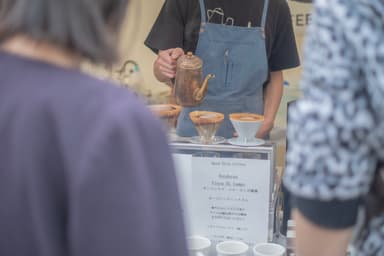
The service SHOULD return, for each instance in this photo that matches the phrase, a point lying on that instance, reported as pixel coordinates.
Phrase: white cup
(246, 125)
(268, 249)
(232, 248)
(198, 245)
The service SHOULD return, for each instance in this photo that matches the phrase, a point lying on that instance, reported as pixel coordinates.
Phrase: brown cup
(206, 123)
(168, 113)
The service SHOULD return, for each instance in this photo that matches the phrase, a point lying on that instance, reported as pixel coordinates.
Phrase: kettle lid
(189, 61)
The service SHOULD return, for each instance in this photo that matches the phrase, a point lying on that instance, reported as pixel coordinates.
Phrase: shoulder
(279, 13)
(350, 9)
(94, 102)
(116, 116)
(360, 21)
(277, 6)
(116, 103)
(278, 3)
(180, 5)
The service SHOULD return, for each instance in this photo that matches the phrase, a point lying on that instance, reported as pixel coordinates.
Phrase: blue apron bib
(237, 56)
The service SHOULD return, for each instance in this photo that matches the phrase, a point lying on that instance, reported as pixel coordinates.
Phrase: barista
(246, 44)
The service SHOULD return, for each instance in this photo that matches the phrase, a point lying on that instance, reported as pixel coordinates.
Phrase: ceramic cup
(232, 248)
(198, 245)
(246, 125)
(269, 249)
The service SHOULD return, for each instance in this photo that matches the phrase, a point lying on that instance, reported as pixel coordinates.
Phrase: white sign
(226, 198)
(183, 165)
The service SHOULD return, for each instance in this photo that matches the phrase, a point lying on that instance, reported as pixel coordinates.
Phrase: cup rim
(195, 117)
(165, 110)
(232, 117)
(244, 250)
(205, 239)
(275, 245)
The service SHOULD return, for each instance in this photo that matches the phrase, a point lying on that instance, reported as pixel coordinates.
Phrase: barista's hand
(165, 65)
(264, 129)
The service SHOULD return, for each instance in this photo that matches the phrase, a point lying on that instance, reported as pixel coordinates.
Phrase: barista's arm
(273, 94)
(164, 67)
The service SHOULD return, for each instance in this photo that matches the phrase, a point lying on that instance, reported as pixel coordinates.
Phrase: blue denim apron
(237, 56)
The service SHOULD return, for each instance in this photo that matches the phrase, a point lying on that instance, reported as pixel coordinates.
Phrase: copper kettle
(189, 88)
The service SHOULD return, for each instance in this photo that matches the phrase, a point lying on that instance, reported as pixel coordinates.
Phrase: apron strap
(265, 12)
(202, 11)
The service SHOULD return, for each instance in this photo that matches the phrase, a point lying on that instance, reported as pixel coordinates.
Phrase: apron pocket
(228, 74)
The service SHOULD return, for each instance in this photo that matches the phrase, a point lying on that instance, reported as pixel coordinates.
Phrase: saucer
(216, 140)
(255, 142)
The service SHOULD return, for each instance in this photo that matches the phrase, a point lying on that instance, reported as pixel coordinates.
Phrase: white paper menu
(225, 198)
(230, 198)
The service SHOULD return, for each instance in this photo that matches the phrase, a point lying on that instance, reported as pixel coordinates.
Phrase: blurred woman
(84, 167)
(337, 130)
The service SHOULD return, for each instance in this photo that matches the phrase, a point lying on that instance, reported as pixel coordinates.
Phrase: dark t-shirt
(84, 168)
(178, 25)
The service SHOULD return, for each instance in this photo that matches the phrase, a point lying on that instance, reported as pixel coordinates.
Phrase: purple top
(84, 168)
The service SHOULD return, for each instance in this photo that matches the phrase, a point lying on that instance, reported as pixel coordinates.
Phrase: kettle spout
(200, 92)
